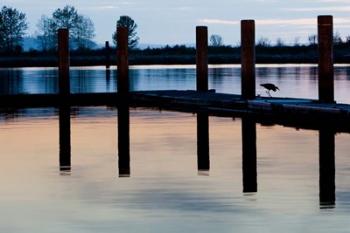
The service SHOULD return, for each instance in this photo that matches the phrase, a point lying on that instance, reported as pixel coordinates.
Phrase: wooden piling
(124, 140)
(202, 58)
(325, 64)
(249, 166)
(203, 159)
(123, 107)
(63, 61)
(327, 167)
(64, 138)
(107, 54)
(248, 59)
(122, 60)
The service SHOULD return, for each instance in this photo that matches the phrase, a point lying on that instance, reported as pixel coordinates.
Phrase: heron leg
(268, 93)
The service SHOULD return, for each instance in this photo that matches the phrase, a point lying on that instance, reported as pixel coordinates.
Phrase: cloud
(313, 9)
(219, 21)
(107, 7)
(184, 8)
(334, 1)
(294, 22)
(303, 22)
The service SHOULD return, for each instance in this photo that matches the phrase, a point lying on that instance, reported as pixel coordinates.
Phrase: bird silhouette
(269, 87)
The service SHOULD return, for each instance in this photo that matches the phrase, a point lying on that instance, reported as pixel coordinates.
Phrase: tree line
(13, 26)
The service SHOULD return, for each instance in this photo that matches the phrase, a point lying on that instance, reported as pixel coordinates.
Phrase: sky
(164, 22)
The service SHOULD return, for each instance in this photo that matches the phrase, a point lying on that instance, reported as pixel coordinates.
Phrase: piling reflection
(203, 160)
(327, 168)
(124, 140)
(218, 76)
(249, 155)
(280, 72)
(64, 139)
(11, 81)
(327, 188)
(108, 80)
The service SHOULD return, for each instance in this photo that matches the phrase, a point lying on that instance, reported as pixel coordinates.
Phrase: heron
(269, 87)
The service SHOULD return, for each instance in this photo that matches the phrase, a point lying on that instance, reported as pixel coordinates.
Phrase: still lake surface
(165, 190)
(293, 80)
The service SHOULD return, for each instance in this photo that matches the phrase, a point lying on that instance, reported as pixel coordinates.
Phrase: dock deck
(303, 113)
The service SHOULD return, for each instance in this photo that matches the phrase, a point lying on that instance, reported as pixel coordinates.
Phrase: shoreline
(82, 61)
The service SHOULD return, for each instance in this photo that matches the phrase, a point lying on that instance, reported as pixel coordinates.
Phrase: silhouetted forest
(85, 52)
(178, 54)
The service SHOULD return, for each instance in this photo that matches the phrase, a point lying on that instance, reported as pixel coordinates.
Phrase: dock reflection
(327, 188)
(249, 166)
(327, 168)
(108, 80)
(124, 140)
(64, 139)
(203, 160)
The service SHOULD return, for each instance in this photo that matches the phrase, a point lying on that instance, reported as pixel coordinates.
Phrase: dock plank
(303, 113)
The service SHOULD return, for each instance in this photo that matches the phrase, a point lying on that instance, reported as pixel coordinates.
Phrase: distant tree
(81, 28)
(216, 40)
(347, 40)
(337, 38)
(47, 34)
(279, 42)
(296, 42)
(13, 25)
(84, 32)
(263, 42)
(129, 23)
(312, 40)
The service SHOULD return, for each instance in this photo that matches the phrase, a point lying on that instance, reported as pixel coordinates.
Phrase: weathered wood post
(325, 63)
(64, 138)
(63, 61)
(124, 140)
(203, 160)
(107, 54)
(249, 155)
(327, 167)
(122, 60)
(202, 58)
(248, 59)
(123, 107)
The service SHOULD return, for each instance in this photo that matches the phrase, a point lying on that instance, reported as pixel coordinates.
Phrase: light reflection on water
(293, 80)
(164, 192)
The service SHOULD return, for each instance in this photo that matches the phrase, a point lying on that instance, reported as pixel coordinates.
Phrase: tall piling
(249, 163)
(122, 60)
(325, 63)
(63, 61)
(248, 59)
(124, 140)
(123, 107)
(202, 58)
(107, 55)
(64, 138)
(203, 159)
(327, 167)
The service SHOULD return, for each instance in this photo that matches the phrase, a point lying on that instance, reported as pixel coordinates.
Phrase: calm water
(168, 180)
(293, 80)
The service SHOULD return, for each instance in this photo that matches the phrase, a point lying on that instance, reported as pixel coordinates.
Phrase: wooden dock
(291, 112)
(298, 113)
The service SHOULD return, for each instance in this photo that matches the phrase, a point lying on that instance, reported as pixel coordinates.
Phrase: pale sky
(173, 22)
